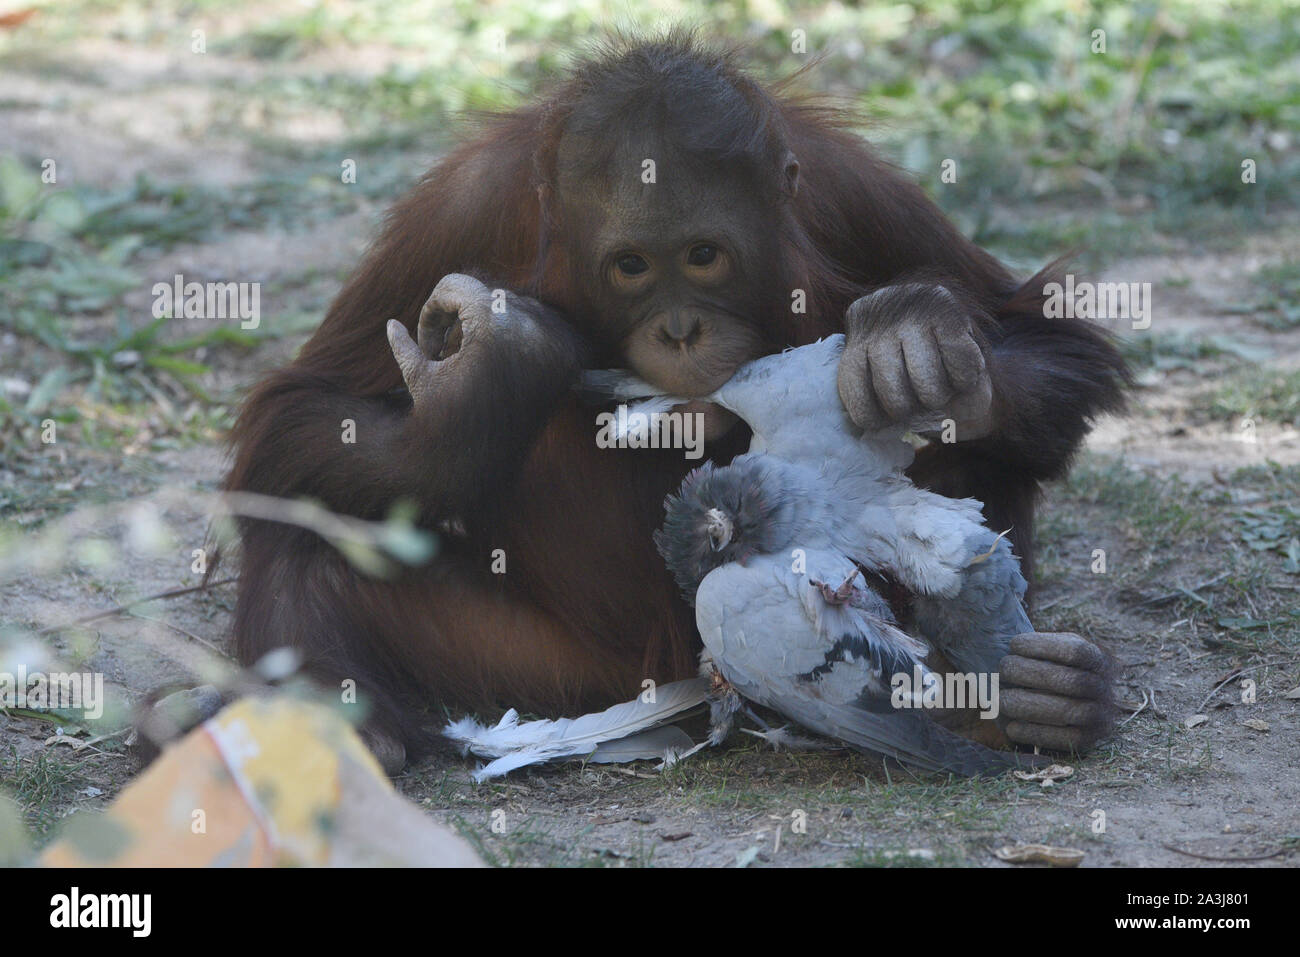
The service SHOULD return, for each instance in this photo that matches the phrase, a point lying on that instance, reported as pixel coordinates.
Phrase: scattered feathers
(515, 744)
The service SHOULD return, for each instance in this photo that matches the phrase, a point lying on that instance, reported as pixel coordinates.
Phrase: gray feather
(906, 736)
(974, 629)
(655, 744)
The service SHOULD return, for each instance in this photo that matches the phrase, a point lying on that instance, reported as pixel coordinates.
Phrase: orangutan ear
(791, 173)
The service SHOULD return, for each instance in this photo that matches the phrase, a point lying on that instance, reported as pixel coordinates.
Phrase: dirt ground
(1168, 491)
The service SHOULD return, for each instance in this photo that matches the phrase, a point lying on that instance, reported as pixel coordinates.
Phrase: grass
(68, 258)
(1278, 308)
(1259, 394)
(1018, 92)
(1162, 538)
(1282, 479)
(41, 784)
(1172, 350)
(842, 797)
(1160, 509)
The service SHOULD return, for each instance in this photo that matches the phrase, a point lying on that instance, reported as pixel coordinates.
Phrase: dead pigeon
(771, 547)
(966, 581)
(796, 628)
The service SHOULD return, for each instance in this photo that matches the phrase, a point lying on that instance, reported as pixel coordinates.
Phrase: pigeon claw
(840, 595)
(718, 684)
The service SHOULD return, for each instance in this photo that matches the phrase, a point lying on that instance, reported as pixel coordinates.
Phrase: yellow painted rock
(267, 782)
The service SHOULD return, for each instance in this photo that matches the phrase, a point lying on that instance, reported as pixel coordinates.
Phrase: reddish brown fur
(587, 610)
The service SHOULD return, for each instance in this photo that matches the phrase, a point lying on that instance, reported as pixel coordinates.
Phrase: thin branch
(126, 607)
(1212, 857)
(1181, 593)
(369, 545)
(1140, 709)
(188, 634)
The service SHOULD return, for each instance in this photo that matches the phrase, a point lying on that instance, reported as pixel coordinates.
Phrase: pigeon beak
(720, 529)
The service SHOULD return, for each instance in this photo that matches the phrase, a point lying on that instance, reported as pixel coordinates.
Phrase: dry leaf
(1040, 854)
(1255, 724)
(1195, 719)
(1048, 775)
(1293, 693)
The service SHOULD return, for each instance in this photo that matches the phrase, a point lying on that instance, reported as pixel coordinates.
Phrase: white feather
(647, 408)
(783, 737)
(514, 744)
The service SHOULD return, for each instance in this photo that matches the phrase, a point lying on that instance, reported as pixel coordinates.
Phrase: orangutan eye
(630, 264)
(702, 254)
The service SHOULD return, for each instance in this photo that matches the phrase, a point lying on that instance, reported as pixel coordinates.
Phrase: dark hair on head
(692, 95)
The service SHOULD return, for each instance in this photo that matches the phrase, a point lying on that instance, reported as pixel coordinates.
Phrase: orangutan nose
(683, 329)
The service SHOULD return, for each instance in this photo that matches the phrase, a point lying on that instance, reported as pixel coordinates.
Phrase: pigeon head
(723, 515)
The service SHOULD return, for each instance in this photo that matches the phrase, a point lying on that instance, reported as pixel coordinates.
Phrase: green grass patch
(1259, 394)
(41, 785)
(1278, 307)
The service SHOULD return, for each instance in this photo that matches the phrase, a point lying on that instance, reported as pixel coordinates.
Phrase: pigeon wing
(975, 627)
(762, 627)
(780, 396)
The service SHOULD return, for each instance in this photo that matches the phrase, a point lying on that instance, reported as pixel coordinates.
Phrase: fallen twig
(1212, 857)
(1140, 709)
(181, 631)
(125, 607)
(1182, 593)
